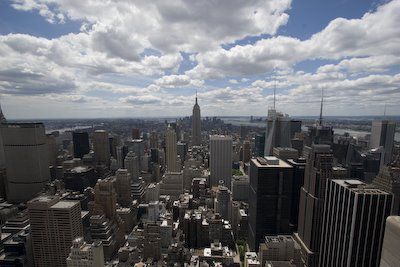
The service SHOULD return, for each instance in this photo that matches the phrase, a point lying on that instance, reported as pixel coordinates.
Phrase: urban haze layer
(200, 133)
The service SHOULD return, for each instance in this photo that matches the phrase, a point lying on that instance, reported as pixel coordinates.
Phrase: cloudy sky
(124, 58)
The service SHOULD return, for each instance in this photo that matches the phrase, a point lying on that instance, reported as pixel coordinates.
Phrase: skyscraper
(26, 160)
(382, 135)
(388, 180)
(220, 160)
(223, 202)
(391, 242)
(318, 170)
(280, 130)
(131, 163)
(298, 180)
(270, 197)
(81, 144)
(170, 139)
(101, 147)
(353, 224)
(123, 187)
(196, 125)
(54, 224)
(246, 151)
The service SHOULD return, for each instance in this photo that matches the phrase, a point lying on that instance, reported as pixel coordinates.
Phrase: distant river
(62, 130)
(245, 121)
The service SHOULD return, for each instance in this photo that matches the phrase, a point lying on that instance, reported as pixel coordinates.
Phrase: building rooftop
(359, 187)
(63, 204)
(270, 162)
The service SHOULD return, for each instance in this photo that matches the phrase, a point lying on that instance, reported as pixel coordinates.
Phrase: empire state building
(196, 125)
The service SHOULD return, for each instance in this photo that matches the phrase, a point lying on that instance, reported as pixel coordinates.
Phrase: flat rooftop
(270, 162)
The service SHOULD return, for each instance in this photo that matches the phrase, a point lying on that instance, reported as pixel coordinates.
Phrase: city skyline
(88, 60)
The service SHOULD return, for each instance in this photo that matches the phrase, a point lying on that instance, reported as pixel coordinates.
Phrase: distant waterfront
(246, 122)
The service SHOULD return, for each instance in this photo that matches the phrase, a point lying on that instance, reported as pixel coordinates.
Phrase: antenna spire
(322, 104)
(384, 111)
(196, 96)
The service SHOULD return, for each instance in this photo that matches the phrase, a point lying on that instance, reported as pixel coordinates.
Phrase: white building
(86, 255)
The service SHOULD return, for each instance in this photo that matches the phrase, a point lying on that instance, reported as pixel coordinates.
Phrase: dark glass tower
(270, 198)
(81, 144)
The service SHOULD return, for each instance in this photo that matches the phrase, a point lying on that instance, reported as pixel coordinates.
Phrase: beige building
(170, 139)
(172, 184)
(54, 224)
(391, 242)
(25, 160)
(123, 187)
(86, 255)
(101, 147)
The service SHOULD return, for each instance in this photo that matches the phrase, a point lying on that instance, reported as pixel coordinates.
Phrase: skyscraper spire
(384, 111)
(274, 94)
(196, 96)
(322, 104)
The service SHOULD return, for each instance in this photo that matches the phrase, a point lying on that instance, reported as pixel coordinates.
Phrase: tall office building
(135, 133)
(353, 224)
(86, 255)
(382, 135)
(299, 166)
(123, 187)
(54, 224)
(131, 163)
(270, 197)
(25, 160)
(105, 198)
(388, 180)
(101, 147)
(172, 156)
(391, 242)
(259, 145)
(318, 170)
(279, 132)
(223, 202)
(246, 151)
(220, 160)
(2, 117)
(196, 125)
(81, 144)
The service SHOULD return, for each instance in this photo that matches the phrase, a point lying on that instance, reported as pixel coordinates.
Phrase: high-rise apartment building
(382, 135)
(196, 125)
(220, 160)
(101, 147)
(353, 224)
(171, 153)
(391, 242)
(54, 224)
(81, 144)
(270, 198)
(318, 170)
(25, 160)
